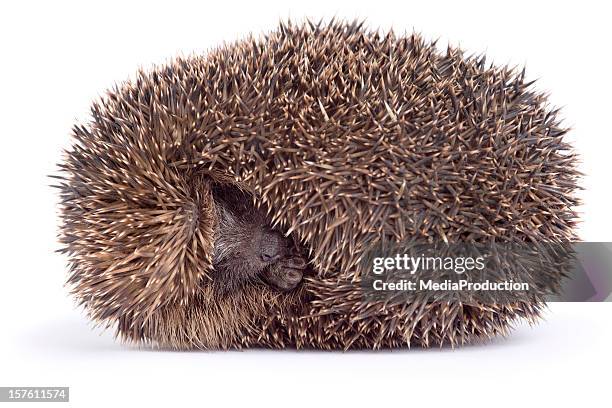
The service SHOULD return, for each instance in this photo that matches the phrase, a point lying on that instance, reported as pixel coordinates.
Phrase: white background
(57, 57)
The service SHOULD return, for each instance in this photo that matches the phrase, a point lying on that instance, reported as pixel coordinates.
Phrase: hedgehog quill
(225, 200)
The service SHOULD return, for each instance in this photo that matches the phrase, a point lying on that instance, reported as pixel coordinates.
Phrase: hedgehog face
(248, 249)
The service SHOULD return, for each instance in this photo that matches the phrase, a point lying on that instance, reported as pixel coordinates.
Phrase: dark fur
(247, 248)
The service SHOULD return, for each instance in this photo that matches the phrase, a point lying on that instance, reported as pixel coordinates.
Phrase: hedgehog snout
(273, 246)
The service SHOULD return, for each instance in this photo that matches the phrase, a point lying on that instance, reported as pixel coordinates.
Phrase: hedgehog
(226, 200)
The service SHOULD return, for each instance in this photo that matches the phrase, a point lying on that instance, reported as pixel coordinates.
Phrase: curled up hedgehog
(226, 200)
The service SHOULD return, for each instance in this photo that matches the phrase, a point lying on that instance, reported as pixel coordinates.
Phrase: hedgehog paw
(286, 274)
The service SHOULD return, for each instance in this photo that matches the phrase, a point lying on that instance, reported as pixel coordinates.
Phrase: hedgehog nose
(271, 247)
(270, 255)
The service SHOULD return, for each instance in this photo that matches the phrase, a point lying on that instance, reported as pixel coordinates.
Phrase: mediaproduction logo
(492, 272)
(405, 265)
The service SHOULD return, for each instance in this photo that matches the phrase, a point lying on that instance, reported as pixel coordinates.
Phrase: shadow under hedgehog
(225, 201)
